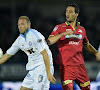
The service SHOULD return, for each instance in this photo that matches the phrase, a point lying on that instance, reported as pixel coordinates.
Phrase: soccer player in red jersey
(70, 38)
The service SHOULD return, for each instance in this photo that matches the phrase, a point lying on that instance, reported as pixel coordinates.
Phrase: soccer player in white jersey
(40, 65)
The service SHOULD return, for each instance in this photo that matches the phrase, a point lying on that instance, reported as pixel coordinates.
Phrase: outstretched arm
(4, 58)
(47, 65)
(92, 50)
(53, 39)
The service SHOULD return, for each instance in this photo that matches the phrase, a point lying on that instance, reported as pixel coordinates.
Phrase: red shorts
(69, 74)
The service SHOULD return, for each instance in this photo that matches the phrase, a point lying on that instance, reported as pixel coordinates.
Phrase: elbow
(48, 42)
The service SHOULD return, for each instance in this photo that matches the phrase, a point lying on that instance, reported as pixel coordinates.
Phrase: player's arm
(4, 58)
(47, 65)
(10, 52)
(92, 50)
(53, 39)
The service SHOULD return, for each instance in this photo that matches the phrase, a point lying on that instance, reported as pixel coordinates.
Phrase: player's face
(70, 14)
(23, 25)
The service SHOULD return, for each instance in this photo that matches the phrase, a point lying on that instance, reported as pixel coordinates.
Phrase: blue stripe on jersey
(25, 34)
(22, 35)
(37, 36)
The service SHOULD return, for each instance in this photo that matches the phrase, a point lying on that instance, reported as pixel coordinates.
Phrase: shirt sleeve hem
(86, 43)
(51, 35)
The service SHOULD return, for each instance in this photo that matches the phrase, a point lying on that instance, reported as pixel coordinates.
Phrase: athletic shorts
(37, 79)
(69, 74)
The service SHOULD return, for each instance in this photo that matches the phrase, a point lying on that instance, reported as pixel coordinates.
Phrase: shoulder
(82, 28)
(18, 38)
(59, 26)
(36, 33)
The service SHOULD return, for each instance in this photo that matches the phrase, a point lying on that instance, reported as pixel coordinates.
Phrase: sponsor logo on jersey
(80, 31)
(31, 50)
(40, 78)
(68, 29)
(72, 42)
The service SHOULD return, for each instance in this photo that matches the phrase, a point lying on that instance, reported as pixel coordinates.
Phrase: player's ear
(29, 25)
(77, 14)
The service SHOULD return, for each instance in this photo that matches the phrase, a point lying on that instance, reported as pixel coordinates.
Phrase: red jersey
(70, 49)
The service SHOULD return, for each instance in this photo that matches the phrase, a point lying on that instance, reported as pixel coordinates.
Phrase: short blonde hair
(25, 17)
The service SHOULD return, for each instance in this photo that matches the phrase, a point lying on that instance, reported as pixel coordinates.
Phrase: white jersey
(32, 43)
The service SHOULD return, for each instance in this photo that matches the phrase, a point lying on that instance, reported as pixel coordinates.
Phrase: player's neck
(73, 24)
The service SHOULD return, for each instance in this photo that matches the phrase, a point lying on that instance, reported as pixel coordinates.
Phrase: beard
(70, 21)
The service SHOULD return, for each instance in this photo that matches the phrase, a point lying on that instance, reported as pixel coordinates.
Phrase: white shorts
(37, 79)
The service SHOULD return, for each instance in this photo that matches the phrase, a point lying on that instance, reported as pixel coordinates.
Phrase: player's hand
(68, 32)
(98, 56)
(51, 78)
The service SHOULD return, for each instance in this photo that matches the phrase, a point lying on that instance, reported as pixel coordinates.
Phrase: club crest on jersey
(30, 43)
(40, 78)
(80, 31)
(68, 29)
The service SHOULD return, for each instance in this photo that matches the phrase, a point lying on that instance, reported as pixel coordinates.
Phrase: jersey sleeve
(55, 31)
(85, 40)
(42, 45)
(14, 48)
(39, 41)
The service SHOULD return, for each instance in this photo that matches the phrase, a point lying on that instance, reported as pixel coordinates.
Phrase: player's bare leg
(24, 88)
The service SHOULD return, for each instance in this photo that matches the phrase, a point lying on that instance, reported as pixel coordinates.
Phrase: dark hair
(75, 6)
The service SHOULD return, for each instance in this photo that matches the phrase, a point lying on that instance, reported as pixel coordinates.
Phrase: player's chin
(68, 20)
(21, 32)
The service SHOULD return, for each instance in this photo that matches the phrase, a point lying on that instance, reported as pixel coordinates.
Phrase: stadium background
(44, 15)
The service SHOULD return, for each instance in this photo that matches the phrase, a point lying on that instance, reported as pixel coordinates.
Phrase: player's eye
(70, 11)
(22, 24)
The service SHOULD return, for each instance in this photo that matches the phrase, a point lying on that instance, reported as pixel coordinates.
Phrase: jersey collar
(24, 36)
(77, 23)
(25, 33)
